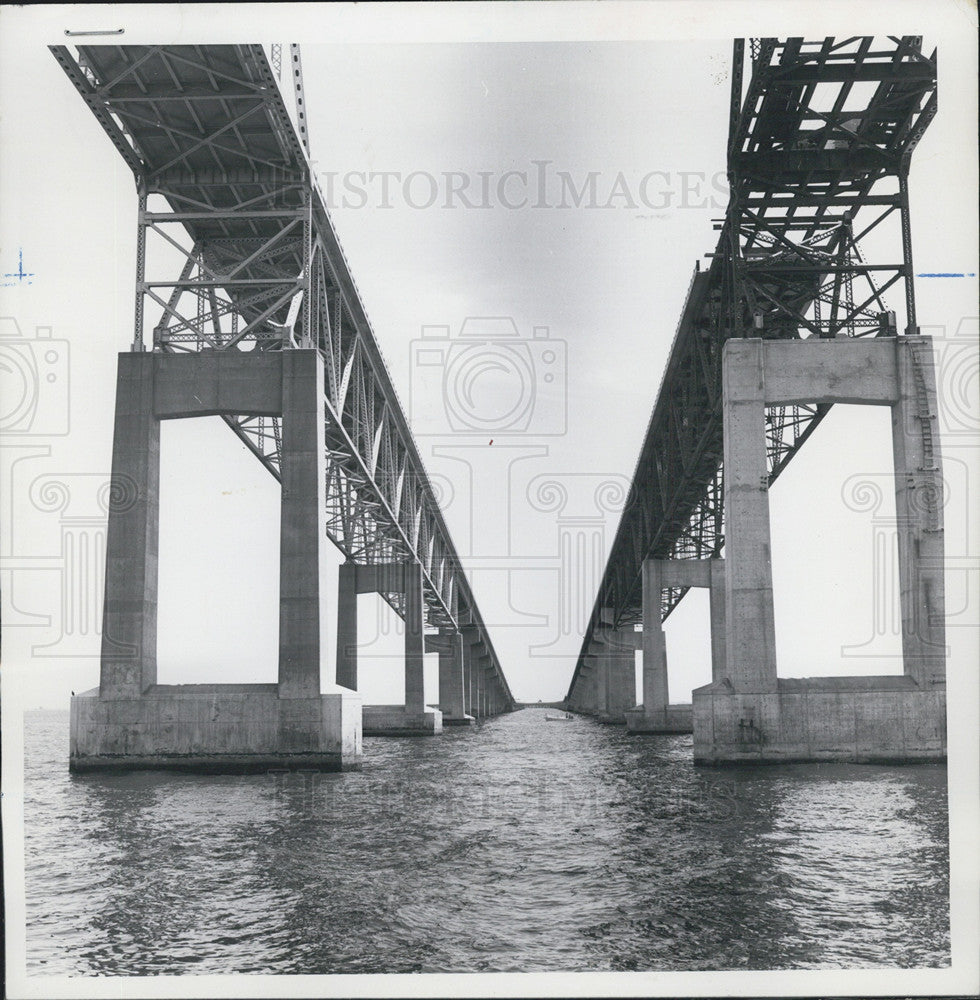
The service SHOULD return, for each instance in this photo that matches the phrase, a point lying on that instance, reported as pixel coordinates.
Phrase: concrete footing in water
(131, 721)
(215, 728)
(857, 719)
(466, 720)
(397, 720)
(672, 719)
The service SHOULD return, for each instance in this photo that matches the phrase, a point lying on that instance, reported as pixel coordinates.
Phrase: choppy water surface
(520, 845)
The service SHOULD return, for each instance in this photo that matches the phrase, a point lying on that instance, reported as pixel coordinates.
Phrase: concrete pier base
(749, 713)
(656, 714)
(855, 719)
(615, 665)
(131, 721)
(216, 728)
(466, 720)
(672, 719)
(397, 720)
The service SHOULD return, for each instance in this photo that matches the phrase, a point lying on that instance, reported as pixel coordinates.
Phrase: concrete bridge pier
(656, 714)
(751, 714)
(482, 692)
(471, 641)
(131, 721)
(584, 695)
(483, 669)
(414, 718)
(449, 644)
(615, 667)
(476, 665)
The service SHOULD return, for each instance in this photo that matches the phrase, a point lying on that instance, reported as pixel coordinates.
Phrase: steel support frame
(261, 269)
(788, 264)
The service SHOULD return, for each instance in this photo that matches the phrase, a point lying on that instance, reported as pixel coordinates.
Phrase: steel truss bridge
(246, 259)
(822, 131)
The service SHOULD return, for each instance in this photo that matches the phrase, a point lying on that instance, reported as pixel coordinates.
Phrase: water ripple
(516, 847)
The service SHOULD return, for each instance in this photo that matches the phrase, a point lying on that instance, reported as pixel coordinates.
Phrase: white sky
(607, 282)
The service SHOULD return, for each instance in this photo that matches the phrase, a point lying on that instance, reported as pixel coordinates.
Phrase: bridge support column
(347, 625)
(615, 661)
(585, 694)
(414, 718)
(748, 594)
(749, 714)
(481, 685)
(450, 646)
(656, 714)
(919, 513)
(716, 614)
(471, 649)
(129, 633)
(131, 721)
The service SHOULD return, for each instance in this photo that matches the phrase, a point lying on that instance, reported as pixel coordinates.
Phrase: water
(520, 845)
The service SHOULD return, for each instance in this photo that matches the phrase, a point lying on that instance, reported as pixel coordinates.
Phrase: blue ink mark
(20, 274)
(947, 274)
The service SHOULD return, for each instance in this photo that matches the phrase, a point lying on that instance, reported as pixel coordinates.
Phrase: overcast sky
(640, 128)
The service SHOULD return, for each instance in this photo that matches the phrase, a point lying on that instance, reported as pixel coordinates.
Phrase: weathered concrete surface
(614, 651)
(751, 715)
(857, 719)
(215, 727)
(130, 721)
(672, 719)
(751, 645)
(303, 634)
(449, 646)
(919, 512)
(465, 720)
(129, 616)
(658, 574)
(398, 720)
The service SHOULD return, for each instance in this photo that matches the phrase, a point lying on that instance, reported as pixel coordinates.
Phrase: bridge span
(788, 319)
(261, 323)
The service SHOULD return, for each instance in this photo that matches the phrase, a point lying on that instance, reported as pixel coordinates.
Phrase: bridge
(258, 320)
(788, 319)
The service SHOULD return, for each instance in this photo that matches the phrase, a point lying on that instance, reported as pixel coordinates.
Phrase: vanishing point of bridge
(261, 323)
(788, 319)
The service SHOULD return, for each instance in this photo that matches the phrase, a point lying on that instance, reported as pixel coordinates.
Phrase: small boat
(564, 717)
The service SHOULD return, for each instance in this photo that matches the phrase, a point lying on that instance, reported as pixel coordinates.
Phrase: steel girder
(231, 214)
(825, 129)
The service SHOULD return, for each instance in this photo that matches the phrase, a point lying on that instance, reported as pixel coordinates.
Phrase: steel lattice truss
(231, 216)
(825, 130)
